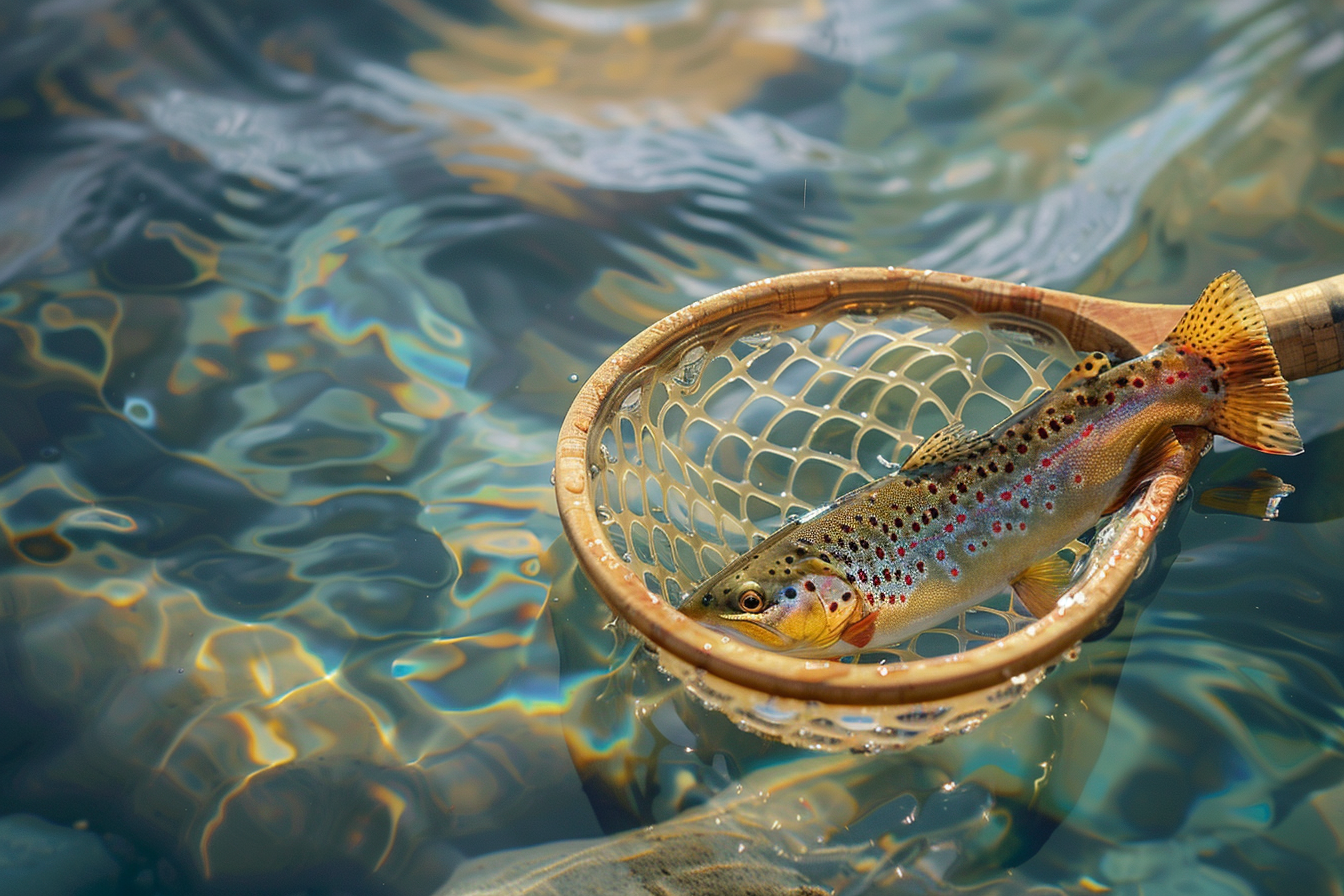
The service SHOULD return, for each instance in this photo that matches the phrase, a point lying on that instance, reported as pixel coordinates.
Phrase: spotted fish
(968, 515)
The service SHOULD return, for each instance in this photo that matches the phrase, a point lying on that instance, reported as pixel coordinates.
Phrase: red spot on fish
(1022, 526)
(1025, 503)
(1088, 431)
(834, 606)
(920, 566)
(971, 548)
(1078, 478)
(954, 572)
(941, 555)
(998, 527)
(909, 580)
(1052, 486)
(1049, 505)
(1171, 381)
(863, 575)
(1203, 388)
(933, 489)
(881, 554)
(1007, 496)
(886, 573)
(810, 585)
(961, 517)
(980, 496)
(903, 598)
(914, 527)
(1045, 461)
(948, 528)
(1027, 479)
(1110, 398)
(1068, 418)
(900, 552)
(1138, 382)
(1181, 374)
(952, 498)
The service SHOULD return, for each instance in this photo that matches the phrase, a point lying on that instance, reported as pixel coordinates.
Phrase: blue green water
(294, 295)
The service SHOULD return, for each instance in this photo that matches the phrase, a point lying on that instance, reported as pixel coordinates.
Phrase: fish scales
(969, 515)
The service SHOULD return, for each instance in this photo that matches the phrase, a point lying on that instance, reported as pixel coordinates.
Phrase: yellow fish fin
(950, 442)
(1255, 495)
(1094, 364)
(1150, 457)
(1226, 329)
(1041, 584)
(1077, 548)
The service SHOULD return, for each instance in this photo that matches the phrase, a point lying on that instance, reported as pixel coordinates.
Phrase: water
(293, 296)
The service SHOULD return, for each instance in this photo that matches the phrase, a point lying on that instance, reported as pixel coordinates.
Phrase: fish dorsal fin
(861, 632)
(949, 443)
(1041, 584)
(1093, 365)
(1151, 456)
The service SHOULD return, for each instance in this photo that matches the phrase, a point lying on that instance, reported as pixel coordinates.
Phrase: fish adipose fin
(949, 443)
(1227, 327)
(1093, 365)
(1041, 584)
(1150, 457)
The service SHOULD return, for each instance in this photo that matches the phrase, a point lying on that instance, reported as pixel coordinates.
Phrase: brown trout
(969, 515)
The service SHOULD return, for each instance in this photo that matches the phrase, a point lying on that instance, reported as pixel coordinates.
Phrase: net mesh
(698, 456)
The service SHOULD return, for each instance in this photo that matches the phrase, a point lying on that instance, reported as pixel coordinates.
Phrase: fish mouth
(753, 628)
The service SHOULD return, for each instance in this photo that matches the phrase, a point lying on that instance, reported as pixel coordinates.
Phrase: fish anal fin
(1093, 365)
(1041, 584)
(1150, 457)
(1256, 495)
(949, 443)
(1227, 329)
(861, 632)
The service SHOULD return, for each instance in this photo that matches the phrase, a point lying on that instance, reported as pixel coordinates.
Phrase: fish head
(803, 608)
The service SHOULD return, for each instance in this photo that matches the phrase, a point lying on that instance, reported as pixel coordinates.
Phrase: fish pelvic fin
(1227, 327)
(1041, 584)
(861, 632)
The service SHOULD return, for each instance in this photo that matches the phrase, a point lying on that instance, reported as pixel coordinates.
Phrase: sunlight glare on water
(293, 297)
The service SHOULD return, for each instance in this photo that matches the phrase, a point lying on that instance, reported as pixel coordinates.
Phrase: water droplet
(139, 412)
(604, 513)
(552, 475)
(180, 670)
(1080, 151)
(573, 377)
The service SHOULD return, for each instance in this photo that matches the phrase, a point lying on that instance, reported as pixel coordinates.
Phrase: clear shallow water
(292, 299)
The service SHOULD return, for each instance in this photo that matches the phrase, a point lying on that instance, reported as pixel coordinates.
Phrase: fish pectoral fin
(1256, 495)
(861, 632)
(1155, 452)
(948, 443)
(1093, 365)
(1041, 584)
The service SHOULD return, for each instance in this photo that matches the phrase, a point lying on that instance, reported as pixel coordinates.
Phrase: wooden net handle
(1306, 325)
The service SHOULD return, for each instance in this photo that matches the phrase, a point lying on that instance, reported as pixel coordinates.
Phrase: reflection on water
(293, 295)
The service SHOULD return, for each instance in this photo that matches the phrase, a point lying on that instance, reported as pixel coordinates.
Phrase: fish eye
(751, 601)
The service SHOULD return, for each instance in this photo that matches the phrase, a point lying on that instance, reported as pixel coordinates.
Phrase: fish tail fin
(1227, 329)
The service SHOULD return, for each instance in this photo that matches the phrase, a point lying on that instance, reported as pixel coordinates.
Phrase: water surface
(294, 295)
